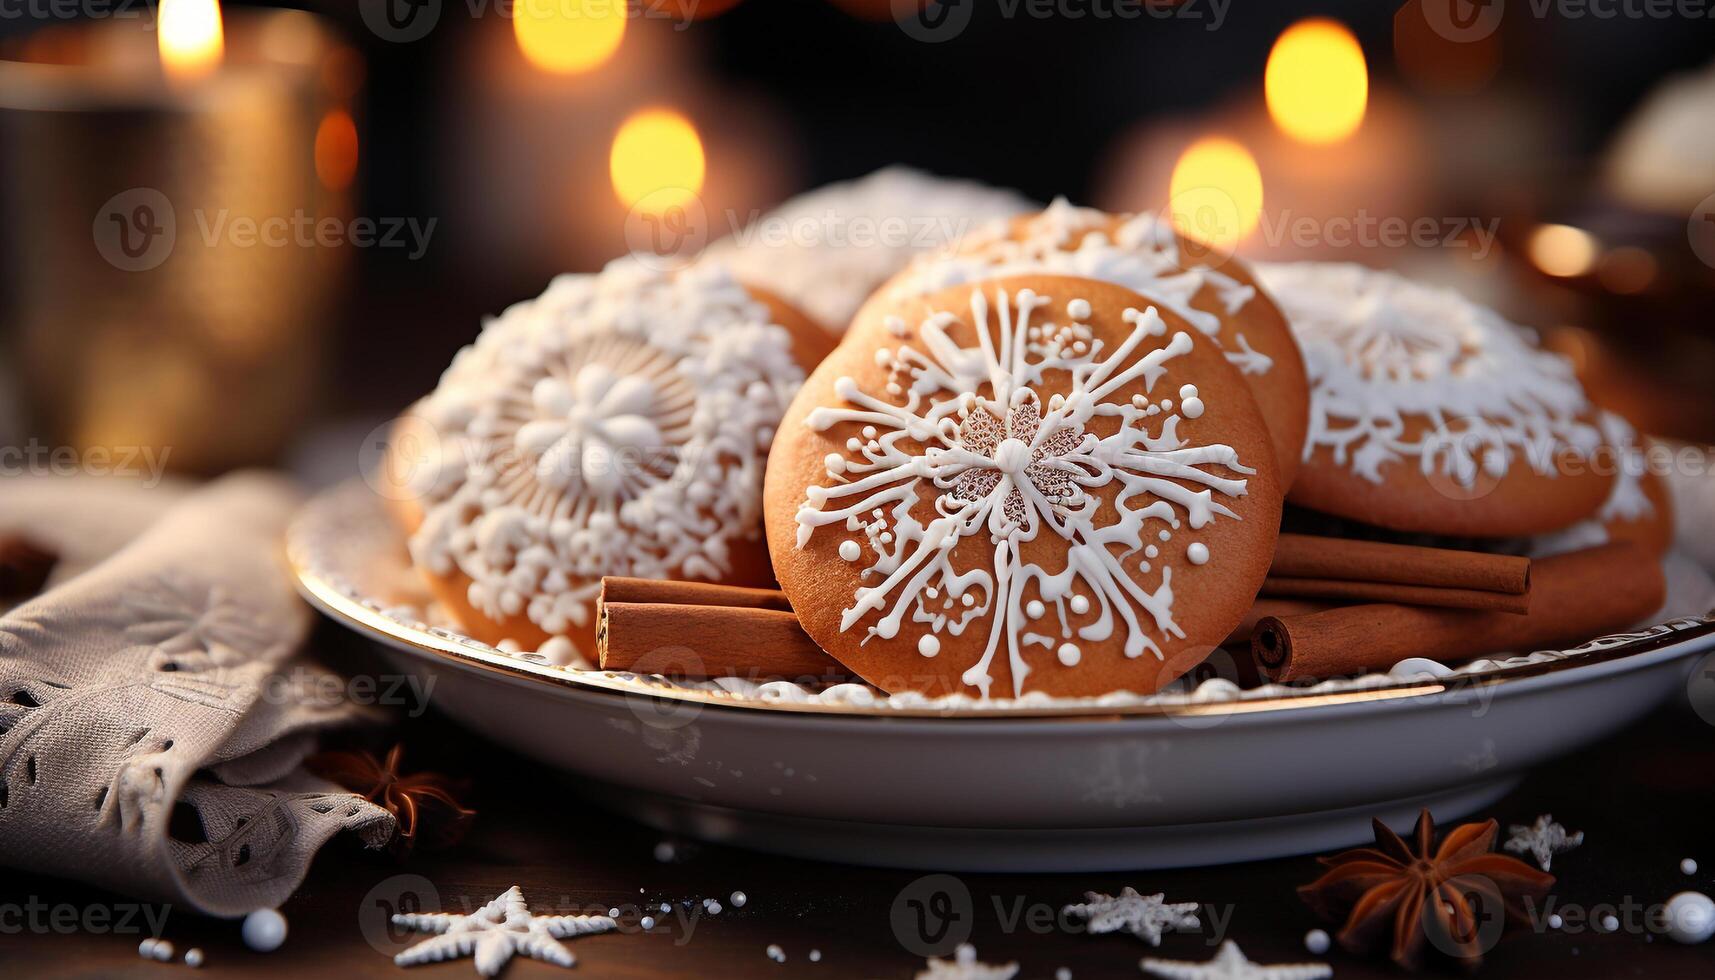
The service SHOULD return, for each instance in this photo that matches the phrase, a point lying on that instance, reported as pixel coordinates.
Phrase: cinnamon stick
(1308, 556)
(617, 588)
(1391, 592)
(1574, 597)
(697, 631)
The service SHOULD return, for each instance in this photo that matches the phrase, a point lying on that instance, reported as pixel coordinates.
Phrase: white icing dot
(1316, 941)
(869, 432)
(1069, 654)
(1079, 309)
(1165, 535)
(1080, 604)
(1151, 551)
(854, 445)
(1198, 553)
(928, 645)
(1192, 408)
(834, 462)
(850, 550)
(1187, 391)
(1035, 609)
(968, 600)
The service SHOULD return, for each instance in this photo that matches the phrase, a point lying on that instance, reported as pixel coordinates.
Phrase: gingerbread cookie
(1637, 508)
(1430, 413)
(1032, 483)
(1211, 290)
(616, 425)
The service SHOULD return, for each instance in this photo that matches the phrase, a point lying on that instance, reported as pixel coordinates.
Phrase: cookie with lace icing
(1211, 290)
(1430, 413)
(1031, 483)
(1638, 507)
(616, 425)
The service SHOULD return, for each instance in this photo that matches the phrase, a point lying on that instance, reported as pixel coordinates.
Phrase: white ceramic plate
(1039, 785)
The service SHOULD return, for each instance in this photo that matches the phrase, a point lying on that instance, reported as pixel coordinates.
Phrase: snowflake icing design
(496, 932)
(1144, 916)
(1142, 254)
(976, 435)
(616, 425)
(1381, 350)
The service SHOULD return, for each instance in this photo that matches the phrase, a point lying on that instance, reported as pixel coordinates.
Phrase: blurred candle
(150, 305)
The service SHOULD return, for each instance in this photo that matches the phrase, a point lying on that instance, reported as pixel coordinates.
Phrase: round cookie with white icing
(1211, 290)
(1430, 413)
(1033, 483)
(1637, 509)
(616, 425)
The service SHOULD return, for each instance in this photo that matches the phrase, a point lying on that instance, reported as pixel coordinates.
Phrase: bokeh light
(190, 37)
(1562, 250)
(336, 150)
(1216, 192)
(1317, 83)
(657, 155)
(566, 37)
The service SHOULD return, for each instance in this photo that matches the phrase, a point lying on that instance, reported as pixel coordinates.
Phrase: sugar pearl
(647, 922)
(193, 957)
(1198, 553)
(163, 951)
(1035, 609)
(1080, 604)
(815, 956)
(1069, 654)
(1688, 866)
(1690, 917)
(264, 930)
(1555, 921)
(738, 899)
(1316, 941)
(850, 550)
(928, 645)
(146, 948)
(1610, 923)
(665, 852)
(775, 953)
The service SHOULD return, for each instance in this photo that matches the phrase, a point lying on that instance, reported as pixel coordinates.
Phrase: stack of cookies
(1053, 458)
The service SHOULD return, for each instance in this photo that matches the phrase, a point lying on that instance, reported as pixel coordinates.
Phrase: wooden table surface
(1643, 799)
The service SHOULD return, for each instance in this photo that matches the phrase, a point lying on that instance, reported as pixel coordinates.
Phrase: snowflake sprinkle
(495, 932)
(964, 966)
(1144, 916)
(1542, 840)
(1230, 964)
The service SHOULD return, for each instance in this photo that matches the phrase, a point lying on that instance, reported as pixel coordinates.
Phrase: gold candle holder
(171, 289)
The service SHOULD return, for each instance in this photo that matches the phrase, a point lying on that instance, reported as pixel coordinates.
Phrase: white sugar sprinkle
(1688, 866)
(775, 953)
(1316, 941)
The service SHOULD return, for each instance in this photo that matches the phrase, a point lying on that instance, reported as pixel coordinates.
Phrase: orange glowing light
(1216, 192)
(657, 160)
(1562, 250)
(1317, 84)
(336, 150)
(190, 38)
(568, 36)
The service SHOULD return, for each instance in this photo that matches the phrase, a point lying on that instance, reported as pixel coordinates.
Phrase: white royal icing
(1381, 350)
(1141, 255)
(973, 434)
(616, 425)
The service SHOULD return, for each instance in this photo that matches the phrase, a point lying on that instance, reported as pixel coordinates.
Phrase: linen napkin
(149, 740)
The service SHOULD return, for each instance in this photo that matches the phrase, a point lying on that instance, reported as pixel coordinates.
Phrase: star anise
(1459, 896)
(422, 803)
(24, 566)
